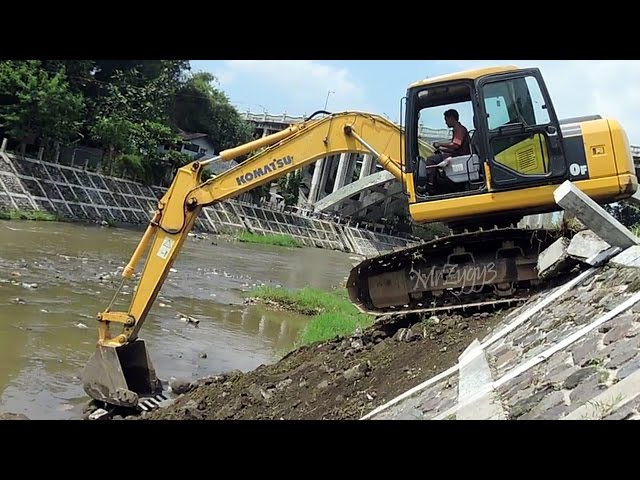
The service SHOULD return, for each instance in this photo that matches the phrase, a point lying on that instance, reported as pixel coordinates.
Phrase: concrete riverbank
(75, 194)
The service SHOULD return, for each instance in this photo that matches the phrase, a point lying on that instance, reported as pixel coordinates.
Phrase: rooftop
(192, 136)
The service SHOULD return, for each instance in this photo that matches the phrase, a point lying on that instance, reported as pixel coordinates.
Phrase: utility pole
(326, 102)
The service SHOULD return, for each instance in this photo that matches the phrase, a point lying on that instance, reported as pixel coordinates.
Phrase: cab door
(522, 141)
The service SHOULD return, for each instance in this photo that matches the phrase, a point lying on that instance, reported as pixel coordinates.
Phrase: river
(55, 277)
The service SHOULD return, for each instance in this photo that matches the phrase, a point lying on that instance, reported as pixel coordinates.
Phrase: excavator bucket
(121, 375)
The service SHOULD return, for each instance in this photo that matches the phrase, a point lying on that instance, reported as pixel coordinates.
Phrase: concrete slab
(353, 188)
(541, 220)
(546, 354)
(554, 258)
(586, 244)
(593, 216)
(358, 206)
(603, 257)
(475, 376)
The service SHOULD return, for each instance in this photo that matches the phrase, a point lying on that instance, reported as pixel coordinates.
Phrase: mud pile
(340, 379)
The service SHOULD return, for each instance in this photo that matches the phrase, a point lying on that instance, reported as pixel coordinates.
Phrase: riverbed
(55, 278)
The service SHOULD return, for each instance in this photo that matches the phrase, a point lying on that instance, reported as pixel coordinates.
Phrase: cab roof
(472, 74)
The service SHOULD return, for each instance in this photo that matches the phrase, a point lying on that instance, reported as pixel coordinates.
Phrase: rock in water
(180, 386)
(13, 416)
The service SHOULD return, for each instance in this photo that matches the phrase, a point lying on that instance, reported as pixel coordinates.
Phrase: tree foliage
(289, 187)
(625, 212)
(200, 107)
(133, 118)
(127, 108)
(36, 105)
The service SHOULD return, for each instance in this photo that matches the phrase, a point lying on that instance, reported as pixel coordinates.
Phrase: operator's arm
(455, 144)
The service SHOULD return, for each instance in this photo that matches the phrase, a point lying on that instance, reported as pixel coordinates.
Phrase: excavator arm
(121, 372)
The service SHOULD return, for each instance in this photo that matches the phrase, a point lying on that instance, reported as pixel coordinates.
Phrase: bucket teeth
(151, 403)
(99, 413)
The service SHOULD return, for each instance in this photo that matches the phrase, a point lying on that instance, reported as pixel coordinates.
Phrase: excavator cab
(516, 138)
(520, 153)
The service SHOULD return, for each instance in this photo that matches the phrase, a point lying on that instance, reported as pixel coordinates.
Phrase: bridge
(353, 185)
(348, 185)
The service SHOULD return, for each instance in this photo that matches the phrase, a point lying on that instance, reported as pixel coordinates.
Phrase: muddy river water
(55, 277)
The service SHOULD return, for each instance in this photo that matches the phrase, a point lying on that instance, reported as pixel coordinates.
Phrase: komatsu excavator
(520, 153)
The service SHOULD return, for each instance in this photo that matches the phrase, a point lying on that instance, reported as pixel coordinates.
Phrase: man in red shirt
(459, 145)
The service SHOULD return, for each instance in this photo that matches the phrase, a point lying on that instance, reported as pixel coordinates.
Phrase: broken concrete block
(593, 216)
(586, 244)
(554, 259)
(603, 257)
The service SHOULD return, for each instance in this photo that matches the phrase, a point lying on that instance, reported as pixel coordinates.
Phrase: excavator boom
(121, 371)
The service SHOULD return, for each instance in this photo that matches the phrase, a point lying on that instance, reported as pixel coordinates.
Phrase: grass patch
(36, 215)
(332, 312)
(278, 240)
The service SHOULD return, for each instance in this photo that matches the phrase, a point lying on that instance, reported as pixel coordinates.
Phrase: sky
(610, 88)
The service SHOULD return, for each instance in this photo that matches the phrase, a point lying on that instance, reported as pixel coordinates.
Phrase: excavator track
(471, 270)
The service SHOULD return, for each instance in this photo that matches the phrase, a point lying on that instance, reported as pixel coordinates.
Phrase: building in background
(195, 145)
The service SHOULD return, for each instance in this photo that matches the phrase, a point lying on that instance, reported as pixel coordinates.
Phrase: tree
(258, 193)
(132, 120)
(38, 106)
(106, 70)
(126, 107)
(79, 73)
(200, 107)
(289, 187)
(625, 212)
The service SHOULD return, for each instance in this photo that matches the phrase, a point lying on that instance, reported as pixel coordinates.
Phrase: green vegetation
(333, 313)
(289, 187)
(126, 108)
(37, 215)
(279, 240)
(402, 222)
(625, 212)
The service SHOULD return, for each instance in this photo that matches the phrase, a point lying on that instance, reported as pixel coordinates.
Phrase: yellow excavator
(520, 153)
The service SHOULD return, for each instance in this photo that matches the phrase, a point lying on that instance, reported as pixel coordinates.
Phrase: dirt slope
(340, 379)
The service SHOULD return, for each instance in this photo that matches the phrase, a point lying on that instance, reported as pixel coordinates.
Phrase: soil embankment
(339, 379)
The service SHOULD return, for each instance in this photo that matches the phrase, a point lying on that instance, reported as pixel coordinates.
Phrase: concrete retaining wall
(76, 194)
